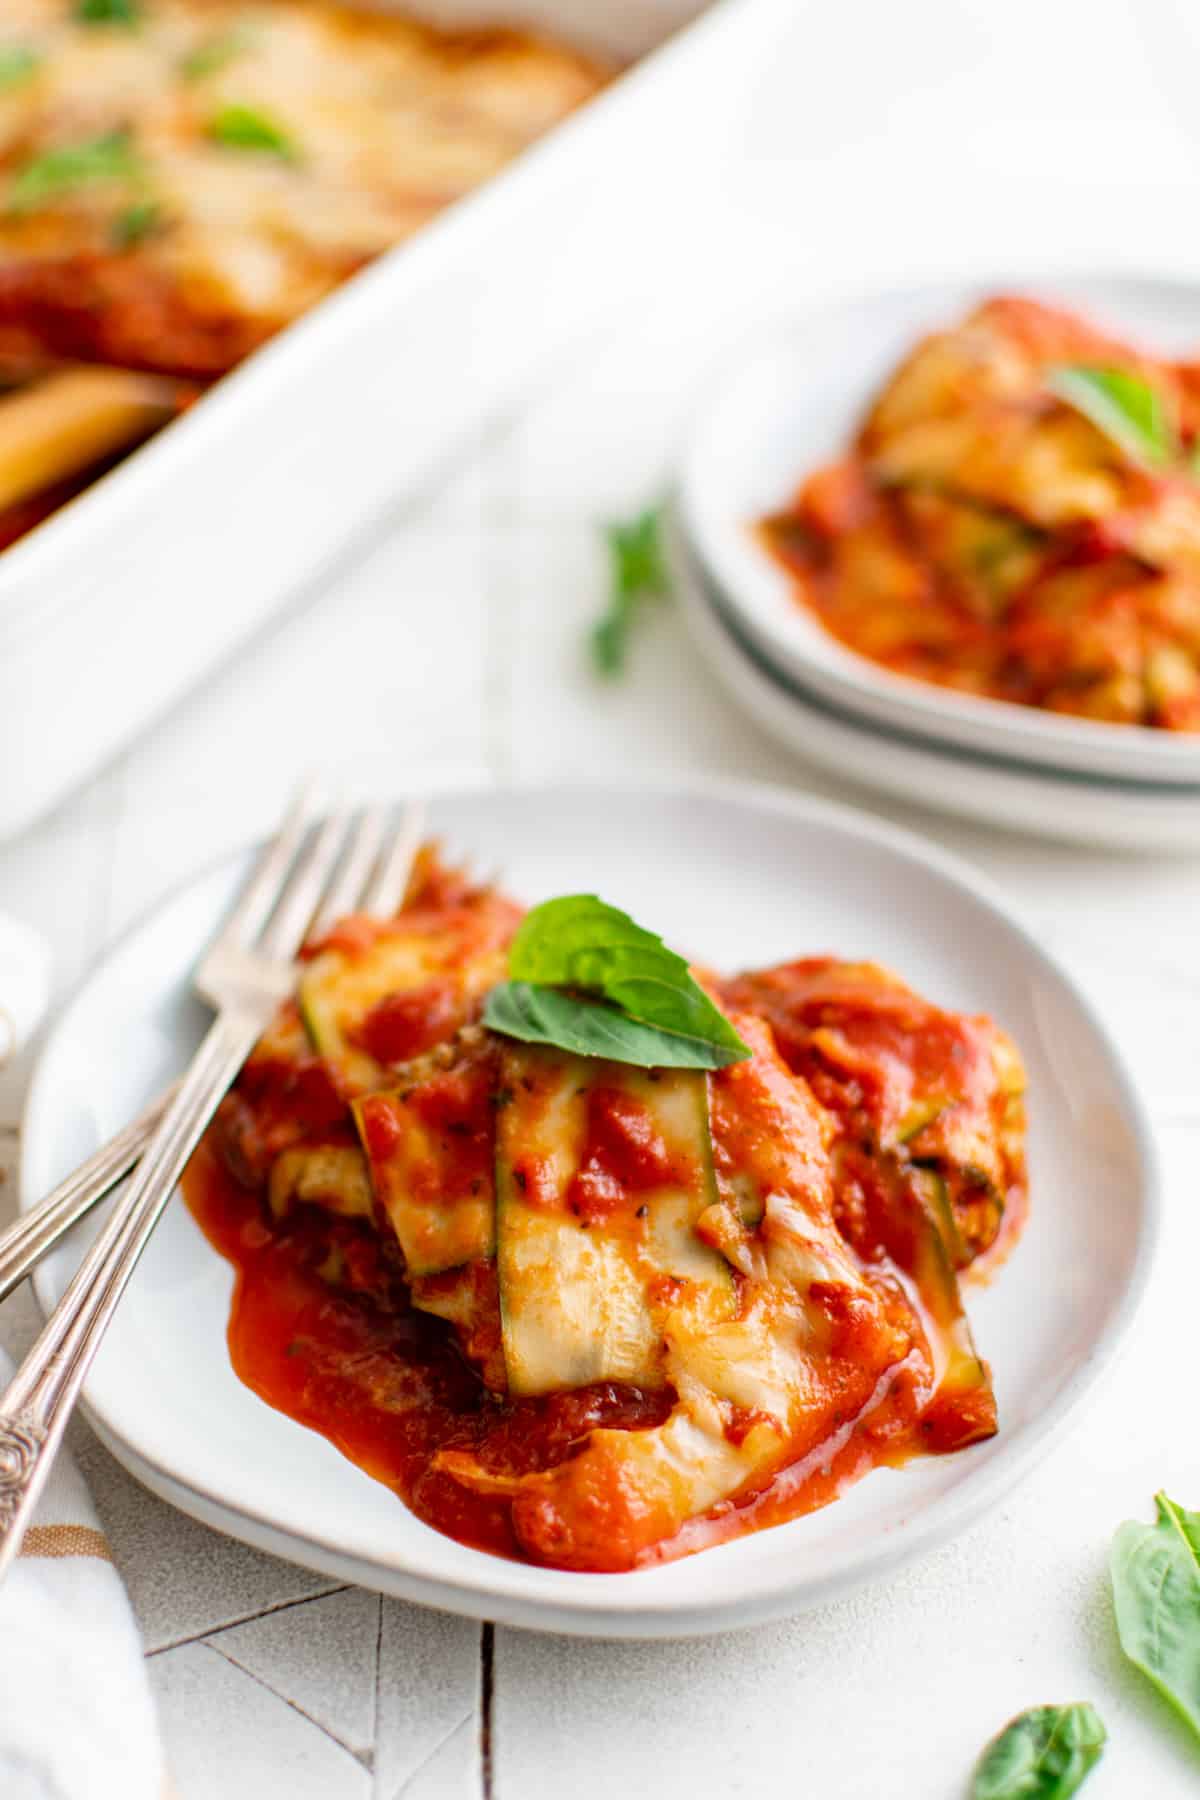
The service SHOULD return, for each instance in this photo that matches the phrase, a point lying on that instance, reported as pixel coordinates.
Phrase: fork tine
(385, 891)
(306, 883)
(253, 908)
(346, 888)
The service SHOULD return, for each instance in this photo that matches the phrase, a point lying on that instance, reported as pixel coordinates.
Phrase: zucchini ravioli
(597, 1316)
(181, 178)
(1017, 518)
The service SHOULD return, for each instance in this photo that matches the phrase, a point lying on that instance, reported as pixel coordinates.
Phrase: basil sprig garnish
(637, 573)
(1155, 1573)
(1129, 411)
(215, 54)
(46, 177)
(585, 978)
(545, 1015)
(135, 224)
(245, 128)
(1043, 1754)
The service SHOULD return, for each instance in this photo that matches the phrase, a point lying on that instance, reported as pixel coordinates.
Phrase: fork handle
(37, 1403)
(35, 1233)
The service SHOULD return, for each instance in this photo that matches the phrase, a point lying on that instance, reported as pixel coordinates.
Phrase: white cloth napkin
(77, 1721)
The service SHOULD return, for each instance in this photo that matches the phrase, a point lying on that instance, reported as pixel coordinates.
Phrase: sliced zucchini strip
(932, 1264)
(330, 1175)
(757, 1382)
(341, 988)
(432, 1173)
(918, 1227)
(955, 1104)
(466, 1298)
(285, 1041)
(626, 1491)
(584, 1299)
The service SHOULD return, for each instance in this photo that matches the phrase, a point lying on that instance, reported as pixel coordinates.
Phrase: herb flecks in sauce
(246, 128)
(58, 173)
(19, 63)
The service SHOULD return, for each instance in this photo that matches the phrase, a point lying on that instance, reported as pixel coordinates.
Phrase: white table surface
(452, 644)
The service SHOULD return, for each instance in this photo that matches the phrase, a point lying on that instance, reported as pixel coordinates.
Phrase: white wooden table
(453, 644)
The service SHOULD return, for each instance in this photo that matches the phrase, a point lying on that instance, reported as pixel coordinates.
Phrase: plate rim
(974, 723)
(495, 1596)
(1052, 777)
(1002, 796)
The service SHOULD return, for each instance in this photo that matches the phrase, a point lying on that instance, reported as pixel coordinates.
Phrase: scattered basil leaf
(637, 572)
(1043, 1754)
(215, 54)
(18, 63)
(135, 224)
(1156, 1593)
(1124, 407)
(242, 128)
(47, 176)
(599, 954)
(107, 12)
(545, 1015)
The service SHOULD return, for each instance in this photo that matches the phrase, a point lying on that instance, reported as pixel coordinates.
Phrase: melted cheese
(386, 122)
(586, 1299)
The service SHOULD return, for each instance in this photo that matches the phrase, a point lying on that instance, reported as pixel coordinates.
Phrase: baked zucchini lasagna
(587, 1309)
(1018, 517)
(179, 179)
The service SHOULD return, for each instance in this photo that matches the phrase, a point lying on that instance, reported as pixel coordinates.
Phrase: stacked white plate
(790, 400)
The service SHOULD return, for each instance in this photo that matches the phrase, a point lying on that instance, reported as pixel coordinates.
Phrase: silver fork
(302, 883)
(372, 881)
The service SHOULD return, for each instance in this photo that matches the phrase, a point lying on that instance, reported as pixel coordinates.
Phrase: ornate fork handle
(35, 1408)
(20, 1440)
(35, 1233)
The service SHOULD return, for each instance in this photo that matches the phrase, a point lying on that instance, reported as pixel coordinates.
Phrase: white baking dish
(111, 608)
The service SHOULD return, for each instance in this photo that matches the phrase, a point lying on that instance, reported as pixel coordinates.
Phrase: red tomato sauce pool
(322, 1329)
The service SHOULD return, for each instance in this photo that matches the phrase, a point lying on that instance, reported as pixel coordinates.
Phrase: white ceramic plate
(975, 785)
(791, 400)
(736, 876)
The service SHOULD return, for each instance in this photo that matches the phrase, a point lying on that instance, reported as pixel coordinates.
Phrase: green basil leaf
(18, 63)
(135, 224)
(637, 572)
(1156, 1592)
(1124, 407)
(215, 54)
(243, 128)
(107, 12)
(59, 171)
(1043, 1754)
(636, 549)
(547, 1015)
(580, 943)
